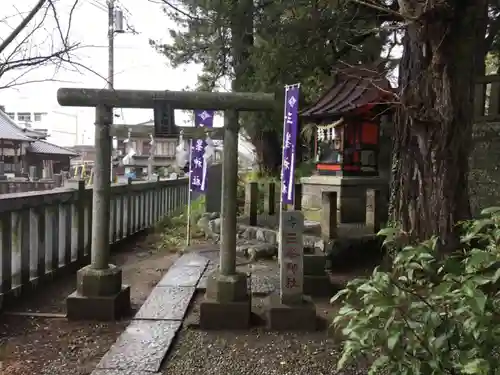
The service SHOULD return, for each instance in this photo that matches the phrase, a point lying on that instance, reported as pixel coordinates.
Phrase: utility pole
(111, 44)
(111, 71)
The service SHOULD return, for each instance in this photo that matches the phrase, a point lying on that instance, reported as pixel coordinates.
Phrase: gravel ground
(257, 351)
(54, 346)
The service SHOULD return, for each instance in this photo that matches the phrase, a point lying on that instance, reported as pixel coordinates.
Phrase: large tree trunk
(268, 150)
(433, 128)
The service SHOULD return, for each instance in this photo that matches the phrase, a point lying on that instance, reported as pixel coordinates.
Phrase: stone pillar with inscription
(290, 309)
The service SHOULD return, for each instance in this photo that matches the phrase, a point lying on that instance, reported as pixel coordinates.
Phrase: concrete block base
(314, 264)
(227, 288)
(97, 282)
(318, 286)
(227, 303)
(296, 317)
(215, 315)
(99, 308)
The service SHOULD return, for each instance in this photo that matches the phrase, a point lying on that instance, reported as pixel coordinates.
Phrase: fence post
(329, 215)
(128, 225)
(80, 212)
(372, 220)
(251, 201)
(7, 249)
(270, 199)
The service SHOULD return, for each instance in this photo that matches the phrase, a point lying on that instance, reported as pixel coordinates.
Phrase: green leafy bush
(173, 229)
(430, 314)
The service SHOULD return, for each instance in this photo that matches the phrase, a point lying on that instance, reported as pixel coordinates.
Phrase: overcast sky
(137, 65)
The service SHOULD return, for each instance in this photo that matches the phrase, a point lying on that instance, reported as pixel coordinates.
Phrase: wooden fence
(45, 233)
(10, 186)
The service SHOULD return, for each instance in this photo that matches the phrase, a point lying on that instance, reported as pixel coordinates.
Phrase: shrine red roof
(353, 88)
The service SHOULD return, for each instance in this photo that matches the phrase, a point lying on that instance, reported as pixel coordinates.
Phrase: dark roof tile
(44, 147)
(353, 88)
(10, 131)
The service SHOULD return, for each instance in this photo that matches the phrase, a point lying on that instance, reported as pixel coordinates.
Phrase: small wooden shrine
(347, 118)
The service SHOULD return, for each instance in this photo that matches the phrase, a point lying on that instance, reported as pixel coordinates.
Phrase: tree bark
(433, 129)
(268, 150)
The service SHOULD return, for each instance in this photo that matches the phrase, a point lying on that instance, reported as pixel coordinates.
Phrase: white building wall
(63, 125)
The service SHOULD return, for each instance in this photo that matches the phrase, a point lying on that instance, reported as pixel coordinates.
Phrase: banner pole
(289, 141)
(188, 227)
(281, 206)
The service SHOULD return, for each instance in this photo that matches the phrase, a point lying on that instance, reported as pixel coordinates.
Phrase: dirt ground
(258, 351)
(54, 346)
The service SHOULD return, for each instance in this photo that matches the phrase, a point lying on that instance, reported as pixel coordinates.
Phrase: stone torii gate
(100, 293)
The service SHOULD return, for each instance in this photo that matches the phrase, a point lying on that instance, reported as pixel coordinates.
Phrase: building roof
(33, 133)
(44, 147)
(10, 131)
(352, 88)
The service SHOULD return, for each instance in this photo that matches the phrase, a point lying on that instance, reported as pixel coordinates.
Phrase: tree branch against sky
(36, 38)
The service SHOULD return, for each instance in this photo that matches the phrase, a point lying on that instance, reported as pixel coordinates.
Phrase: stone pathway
(146, 341)
(141, 349)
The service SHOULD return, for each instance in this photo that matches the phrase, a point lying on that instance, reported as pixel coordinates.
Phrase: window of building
(39, 116)
(24, 117)
(12, 115)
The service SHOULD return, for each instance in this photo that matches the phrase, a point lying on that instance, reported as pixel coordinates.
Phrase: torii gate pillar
(99, 293)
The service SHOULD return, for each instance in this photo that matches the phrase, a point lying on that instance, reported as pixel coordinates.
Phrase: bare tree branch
(27, 47)
(22, 25)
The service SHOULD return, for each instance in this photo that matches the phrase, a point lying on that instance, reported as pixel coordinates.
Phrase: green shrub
(173, 229)
(430, 314)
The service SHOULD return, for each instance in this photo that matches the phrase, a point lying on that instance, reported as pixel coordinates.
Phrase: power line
(98, 5)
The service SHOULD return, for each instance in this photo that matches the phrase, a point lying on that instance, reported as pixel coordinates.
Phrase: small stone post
(291, 310)
(99, 294)
(372, 210)
(297, 199)
(292, 257)
(251, 202)
(328, 215)
(227, 304)
(270, 200)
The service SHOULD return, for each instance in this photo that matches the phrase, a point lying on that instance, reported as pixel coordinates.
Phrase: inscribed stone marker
(292, 257)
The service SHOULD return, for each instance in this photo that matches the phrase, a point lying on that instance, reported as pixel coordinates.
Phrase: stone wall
(484, 178)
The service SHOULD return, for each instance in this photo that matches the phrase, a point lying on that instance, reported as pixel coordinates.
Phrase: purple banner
(290, 126)
(198, 167)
